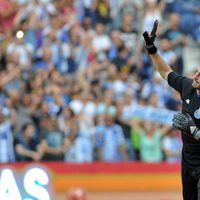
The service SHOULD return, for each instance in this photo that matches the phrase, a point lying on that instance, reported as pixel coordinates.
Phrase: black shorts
(190, 183)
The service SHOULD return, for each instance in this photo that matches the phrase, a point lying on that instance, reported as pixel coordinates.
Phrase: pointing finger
(154, 29)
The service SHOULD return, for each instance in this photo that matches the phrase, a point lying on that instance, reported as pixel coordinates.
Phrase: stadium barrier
(108, 177)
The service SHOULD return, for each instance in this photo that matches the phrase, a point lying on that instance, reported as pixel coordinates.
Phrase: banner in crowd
(160, 115)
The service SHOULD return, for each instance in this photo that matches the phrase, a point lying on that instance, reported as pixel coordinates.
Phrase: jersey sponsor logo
(197, 114)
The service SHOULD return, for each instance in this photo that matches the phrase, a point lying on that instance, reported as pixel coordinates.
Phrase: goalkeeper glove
(150, 38)
(185, 123)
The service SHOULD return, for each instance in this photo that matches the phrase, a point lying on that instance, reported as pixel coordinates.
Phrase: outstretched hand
(150, 38)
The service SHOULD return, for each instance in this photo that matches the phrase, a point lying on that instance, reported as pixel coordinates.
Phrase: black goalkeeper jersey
(191, 105)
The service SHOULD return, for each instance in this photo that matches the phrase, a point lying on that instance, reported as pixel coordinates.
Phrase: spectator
(6, 139)
(176, 40)
(129, 34)
(117, 42)
(8, 10)
(27, 144)
(11, 78)
(52, 140)
(136, 123)
(65, 119)
(124, 60)
(20, 50)
(125, 117)
(168, 54)
(25, 110)
(84, 51)
(109, 140)
(133, 7)
(79, 146)
(28, 23)
(45, 61)
(101, 12)
(87, 115)
(106, 103)
(172, 146)
(101, 42)
(152, 10)
(154, 85)
(151, 142)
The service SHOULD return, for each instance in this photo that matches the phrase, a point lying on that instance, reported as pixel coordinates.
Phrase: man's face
(108, 119)
(196, 79)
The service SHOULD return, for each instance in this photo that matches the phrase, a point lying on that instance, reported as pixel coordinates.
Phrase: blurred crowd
(72, 72)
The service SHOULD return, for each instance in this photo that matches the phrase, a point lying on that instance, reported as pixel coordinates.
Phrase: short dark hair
(26, 125)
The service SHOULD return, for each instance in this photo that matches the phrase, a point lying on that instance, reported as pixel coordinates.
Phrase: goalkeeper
(188, 121)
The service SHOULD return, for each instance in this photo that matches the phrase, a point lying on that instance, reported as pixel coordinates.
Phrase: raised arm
(160, 65)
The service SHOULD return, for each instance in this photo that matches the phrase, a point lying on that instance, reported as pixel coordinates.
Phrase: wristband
(152, 49)
(196, 134)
